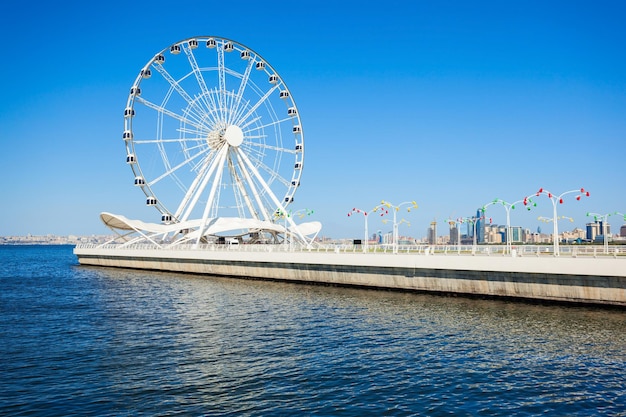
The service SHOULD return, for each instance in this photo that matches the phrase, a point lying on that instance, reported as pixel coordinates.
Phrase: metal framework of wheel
(212, 131)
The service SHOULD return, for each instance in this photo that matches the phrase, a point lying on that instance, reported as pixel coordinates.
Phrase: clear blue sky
(449, 103)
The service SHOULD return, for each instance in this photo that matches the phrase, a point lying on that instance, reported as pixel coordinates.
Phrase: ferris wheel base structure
(568, 280)
(132, 232)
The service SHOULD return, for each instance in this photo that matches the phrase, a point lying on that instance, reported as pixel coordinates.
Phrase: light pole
(365, 214)
(282, 214)
(624, 216)
(287, 214)
(301, 213)
(408, 223)
(411, 204)
(553, 220)
(473, 220)
(507, 207)
(554, 199)
(605, 218)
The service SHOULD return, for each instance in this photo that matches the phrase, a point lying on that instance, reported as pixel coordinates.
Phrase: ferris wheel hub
(233, 135)
(215, 139)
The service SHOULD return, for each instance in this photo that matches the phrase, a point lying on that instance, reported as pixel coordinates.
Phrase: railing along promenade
(573, 251)
(579, 273)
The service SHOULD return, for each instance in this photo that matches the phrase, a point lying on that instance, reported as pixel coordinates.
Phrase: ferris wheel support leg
(279, 205)
(255, 192)
(209, 202)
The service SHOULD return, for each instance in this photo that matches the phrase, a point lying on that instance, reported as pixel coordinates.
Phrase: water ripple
(89, 341)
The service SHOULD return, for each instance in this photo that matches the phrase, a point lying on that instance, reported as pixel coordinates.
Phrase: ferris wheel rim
(233, 134)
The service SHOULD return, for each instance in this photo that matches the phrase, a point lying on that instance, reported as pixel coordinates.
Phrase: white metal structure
(558, 199)
(212, 131)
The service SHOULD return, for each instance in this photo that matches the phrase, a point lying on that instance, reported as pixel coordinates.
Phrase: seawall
(584, 280)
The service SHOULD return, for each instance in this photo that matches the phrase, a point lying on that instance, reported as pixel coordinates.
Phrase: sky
(447, 103)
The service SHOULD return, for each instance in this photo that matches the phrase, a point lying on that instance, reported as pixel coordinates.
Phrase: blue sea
(78, 340)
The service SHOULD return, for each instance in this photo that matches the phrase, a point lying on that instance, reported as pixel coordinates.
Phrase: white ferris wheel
(212, 131)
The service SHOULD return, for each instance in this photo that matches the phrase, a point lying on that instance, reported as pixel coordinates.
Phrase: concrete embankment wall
(579, 280)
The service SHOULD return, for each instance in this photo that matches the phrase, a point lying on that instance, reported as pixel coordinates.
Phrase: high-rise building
(517, 234)
(454, 234)
(592, 230)
(596, 229)
(622, 231)
(493, 233)
(480, 226)
(432, 233)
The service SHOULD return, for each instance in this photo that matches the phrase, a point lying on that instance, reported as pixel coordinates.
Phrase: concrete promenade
(580, 279)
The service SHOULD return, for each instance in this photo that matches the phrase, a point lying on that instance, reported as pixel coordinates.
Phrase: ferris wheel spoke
(270, 194)
(242, 87)
(270, 171)
(171, 114)
(196, 72)
(273, 123)
(253, 189)
(269, 147)
(242, 192)
(256, 153)
(249, 122)
(157, 141)
(172, 170)
(238, 192)
(239, 111)
(204, 119)
(212, 115)
(211, 202)
(221, 69)
(197, 190)
(198, 134)
(190, 192)
(254, 107)
(180, 90)
(255, 173)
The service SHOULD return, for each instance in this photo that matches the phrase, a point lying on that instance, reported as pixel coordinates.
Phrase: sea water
(77, 340)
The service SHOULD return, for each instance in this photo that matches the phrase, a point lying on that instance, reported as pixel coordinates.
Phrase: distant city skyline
(496, 235)
(449, 104)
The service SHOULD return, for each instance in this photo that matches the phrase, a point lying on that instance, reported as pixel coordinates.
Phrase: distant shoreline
(37, 244)
(53, 240)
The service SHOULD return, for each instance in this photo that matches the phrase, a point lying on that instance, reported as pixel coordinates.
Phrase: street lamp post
(365, 216)
(507, 207)
(605, 218)
(554, 199)
(623, 215)
(289, 214)
(283, 214)
(408, 223)
(411, 204)
(554, 220)
(473, 220)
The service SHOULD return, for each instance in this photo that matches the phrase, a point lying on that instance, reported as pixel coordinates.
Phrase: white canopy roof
(211, 227)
